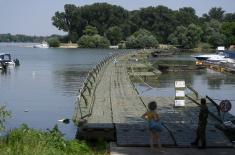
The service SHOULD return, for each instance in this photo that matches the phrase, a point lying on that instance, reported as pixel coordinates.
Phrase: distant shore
(68, 45)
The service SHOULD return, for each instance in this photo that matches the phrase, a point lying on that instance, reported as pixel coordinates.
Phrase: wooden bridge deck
(117, 107)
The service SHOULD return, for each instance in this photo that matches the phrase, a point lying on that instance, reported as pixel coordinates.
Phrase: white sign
(179, 93)
(179, 84)
(179, 103)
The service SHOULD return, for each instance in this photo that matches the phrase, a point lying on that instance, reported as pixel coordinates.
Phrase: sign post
(225, 106)
(179, 93)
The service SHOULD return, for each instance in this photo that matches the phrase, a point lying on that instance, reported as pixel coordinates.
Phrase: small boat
(42, 45)
(211, 57)
(5, 61)
(220, 57)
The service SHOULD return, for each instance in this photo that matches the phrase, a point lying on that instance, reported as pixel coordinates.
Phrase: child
(155, 126)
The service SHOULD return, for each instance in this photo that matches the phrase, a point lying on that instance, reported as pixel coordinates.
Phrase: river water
(218, 86)
(44, 87)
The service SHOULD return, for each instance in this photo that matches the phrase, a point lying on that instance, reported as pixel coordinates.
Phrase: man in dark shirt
(202, 122)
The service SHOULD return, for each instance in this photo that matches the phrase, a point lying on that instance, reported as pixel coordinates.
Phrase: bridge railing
(83, 104)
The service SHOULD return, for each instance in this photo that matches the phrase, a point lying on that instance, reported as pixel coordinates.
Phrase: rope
(222, 100)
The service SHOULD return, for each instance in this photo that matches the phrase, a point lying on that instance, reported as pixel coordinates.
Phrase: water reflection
(219, 86)
(69, 79)
(45, 84)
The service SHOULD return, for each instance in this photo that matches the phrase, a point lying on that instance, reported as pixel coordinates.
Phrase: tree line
(31, 39)
(158, 24)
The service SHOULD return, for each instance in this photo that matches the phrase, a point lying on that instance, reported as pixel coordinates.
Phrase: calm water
(46, 84)
(218, 86)
(47, 81)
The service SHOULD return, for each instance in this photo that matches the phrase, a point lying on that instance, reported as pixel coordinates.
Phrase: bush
(53, 42)
(142, 39)
(95, 41)
(30, 141)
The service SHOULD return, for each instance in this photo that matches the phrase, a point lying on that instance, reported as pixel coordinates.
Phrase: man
(202, 122)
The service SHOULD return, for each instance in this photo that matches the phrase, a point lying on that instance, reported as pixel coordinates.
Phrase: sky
(33, 17)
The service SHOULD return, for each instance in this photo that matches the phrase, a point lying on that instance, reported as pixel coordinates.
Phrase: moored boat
(42, 45)
(5, 61)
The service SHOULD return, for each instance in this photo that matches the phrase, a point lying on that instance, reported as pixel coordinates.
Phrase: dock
(109, 107)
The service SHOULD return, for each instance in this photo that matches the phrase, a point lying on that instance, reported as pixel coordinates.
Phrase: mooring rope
(222, 100)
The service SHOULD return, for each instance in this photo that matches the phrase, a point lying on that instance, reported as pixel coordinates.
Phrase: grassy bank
(26, 141)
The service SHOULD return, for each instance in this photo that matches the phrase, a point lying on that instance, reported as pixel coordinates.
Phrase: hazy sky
(33, 17)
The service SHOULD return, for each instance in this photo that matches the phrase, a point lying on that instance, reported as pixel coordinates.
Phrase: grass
(26, 141)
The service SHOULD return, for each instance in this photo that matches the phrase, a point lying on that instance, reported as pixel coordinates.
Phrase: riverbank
(30, 141)
(68, 45)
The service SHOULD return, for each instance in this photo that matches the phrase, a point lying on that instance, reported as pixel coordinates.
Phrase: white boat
(211, 57)
(222, 56)
(5, 61)
(42, 45)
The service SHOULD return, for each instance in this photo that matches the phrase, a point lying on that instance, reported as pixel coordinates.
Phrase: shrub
(30, 141)
(142, 39)
(53, 42)
(95, 41)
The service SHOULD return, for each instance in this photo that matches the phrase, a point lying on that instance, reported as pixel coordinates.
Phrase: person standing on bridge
(115, 61)
(202, 122)
(155, 126)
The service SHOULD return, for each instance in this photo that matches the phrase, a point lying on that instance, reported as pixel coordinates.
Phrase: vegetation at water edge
(26, 141)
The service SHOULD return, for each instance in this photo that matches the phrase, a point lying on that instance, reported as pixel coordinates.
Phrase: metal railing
(83, 104)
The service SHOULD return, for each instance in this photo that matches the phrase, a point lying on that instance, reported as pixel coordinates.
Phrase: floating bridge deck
(111, 108)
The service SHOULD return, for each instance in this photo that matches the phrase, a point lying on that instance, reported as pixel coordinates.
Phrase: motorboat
(42, 45)
(5, 61)
(211, 57)
(221, 56)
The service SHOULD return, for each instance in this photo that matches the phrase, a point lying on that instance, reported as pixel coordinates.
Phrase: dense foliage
(30, 141)
(31, 39)
(164, 24)
(186, 37)
(53, 42)
(91, 39)
(116, 25)
(141, 39)
(20, 38)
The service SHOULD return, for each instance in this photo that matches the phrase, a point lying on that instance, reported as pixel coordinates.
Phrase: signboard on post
(179, 93)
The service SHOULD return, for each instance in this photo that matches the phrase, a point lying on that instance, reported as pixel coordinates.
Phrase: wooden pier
(109, 107)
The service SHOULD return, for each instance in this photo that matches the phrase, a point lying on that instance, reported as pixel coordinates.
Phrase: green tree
(101, 42)
(69, 21)
(114, 34)
(158, 20)
(95, 41)
(217, 39)
(86, 42)
(104, 15)
(229, 17)
(212, 33)
(90, 30)
(228, 29)
(214, 13)
(186, 37)
(53, 42)
(209, 28)
(186, 16)
(179, 37)
(142, 39)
